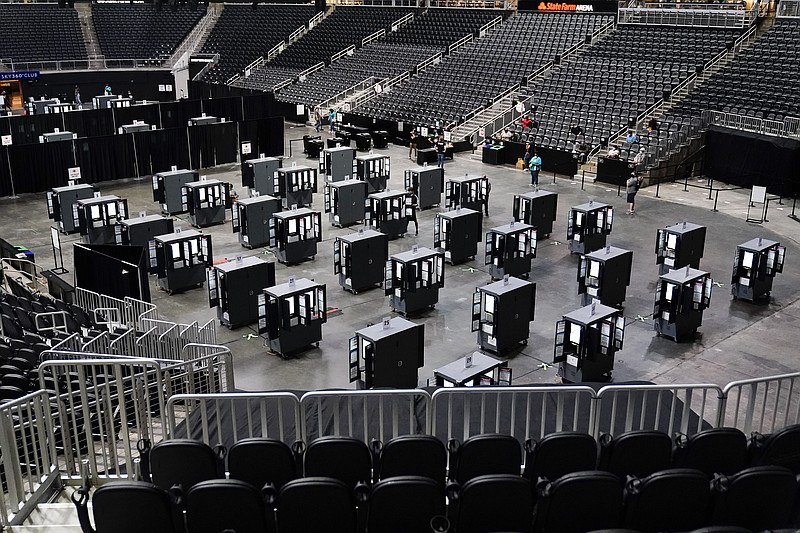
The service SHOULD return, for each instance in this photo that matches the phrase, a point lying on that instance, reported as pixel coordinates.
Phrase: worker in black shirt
(411, 208)
(486, 197)
(440, 148)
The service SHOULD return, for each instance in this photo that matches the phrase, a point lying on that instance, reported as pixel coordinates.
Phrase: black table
(494, 155)
(426, 155)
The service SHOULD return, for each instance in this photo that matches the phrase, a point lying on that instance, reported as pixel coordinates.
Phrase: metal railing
(373, 37)
(192, 41)
(433, 60)
(213, 60)
(788, 9)
(397, 24)
(706, 15)
(365, 415)
(310, 70)
(316, 19)
(763, 405)
(385, 87)
(788, 127)
(161, 62)
(29, 462)
(216, 419)
(459, 44)
(341, 53)
(132, 313)
(350, 91)
(483, 30)
(23, 271)
(296, 34)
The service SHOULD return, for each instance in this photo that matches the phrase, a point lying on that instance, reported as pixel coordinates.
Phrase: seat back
(342, 458)
(226, 505)
(580, 502)
(182, 462)
(132, 507)
(670, 500)
(404, 503)
(497, 502)
(558, 454)
(713, 451)
(635, 453)
(316, 504)
(260, 461)
(485, 454)
(781, 448)
(756, 498)
(413, 455)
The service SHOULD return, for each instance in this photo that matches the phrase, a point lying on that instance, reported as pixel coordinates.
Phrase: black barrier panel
(90, 123)
(228, 108)
(159, 150)
(40, 167)
(212, 144)
(5, 125)
(115, 270)
(259, 105)
(266, 136)
(177, 114)
(747, 159)
(615, 171)
(5, 176)
(553, 160)
(106, 158)
(27, 129)
(144, 113)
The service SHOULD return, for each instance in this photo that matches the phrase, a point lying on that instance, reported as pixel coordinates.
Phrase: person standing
(412, 202)
(526, 159)
(535, 166)
(78, 97)
(317, 119)
(440, 149)
(3, 98)
(107, 90)
(631, 188)
(332, 120)
(486, 197)
(412, 145)
(638, 160)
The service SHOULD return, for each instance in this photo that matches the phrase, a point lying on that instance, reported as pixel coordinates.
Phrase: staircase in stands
(95, 54)
(196, 38)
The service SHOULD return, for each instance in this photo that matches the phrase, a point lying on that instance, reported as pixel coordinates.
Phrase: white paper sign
(6, 140)
(247, 148)
(74, 173)
(758, 195)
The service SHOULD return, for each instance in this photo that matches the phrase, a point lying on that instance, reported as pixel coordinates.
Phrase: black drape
(26, 129)
(40, 167)
(265, 135)
(201, 142)
(159, 150)
(226, 146)
(144, 113)
(5, 125)
(177, 114)
(106, 158)
(228, 108)
(5, 175)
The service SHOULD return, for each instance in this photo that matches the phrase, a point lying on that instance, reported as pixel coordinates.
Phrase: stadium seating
(325, 40)
(424, 37)
(139, 31)
(767, 69)
(477, 73)
(243, 34)
(57, 35)
(615, 80)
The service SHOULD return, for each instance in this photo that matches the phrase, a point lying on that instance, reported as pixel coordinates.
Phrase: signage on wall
(22, 75)
(571, 6)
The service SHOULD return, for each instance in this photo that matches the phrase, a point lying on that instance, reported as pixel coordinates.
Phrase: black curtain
(177, 114)
(5, 125)
(5, 175)
(747, 159)
(228, 108)
(90, 123)
(201, 142)
(259, 105)
(159, 150)
(265, 135)
(145, 113)
(106, 158)
(26, 129)
(40, 167)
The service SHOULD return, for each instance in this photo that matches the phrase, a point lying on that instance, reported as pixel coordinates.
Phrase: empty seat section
(40, 32)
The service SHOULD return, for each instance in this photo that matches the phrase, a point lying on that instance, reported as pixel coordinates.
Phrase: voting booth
(207, 201)
(427, 183)
(259, 173)
(295, 185)
(290, 315)
(755, 266)
(466, 191)
(588, 225)
(234, 288)
(62, 205)
(681, 297)
(604, 275)
(510, 249)
(502, 312)
(182, 258)
(388, 354)
(412, 280)
(345, 202)
(170, 192)
(250, 219)
(537, 208)
(143, 230)
(586, 341)
(99, 219)
(388, 212)
(359, 259)
(374, 169)
(338, 164)
(457, 234)
(679, 245)
(294, 234)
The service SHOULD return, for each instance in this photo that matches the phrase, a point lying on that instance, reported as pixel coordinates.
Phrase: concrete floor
(737, 340)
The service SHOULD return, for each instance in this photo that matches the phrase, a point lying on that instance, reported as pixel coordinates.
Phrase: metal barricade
(688, 409)
(98, 344)
(226, 418)
(53, 321)
(365, 414)
(195, 351)
(28, 464)
(763, 404)
(125, 344)
(522, 412)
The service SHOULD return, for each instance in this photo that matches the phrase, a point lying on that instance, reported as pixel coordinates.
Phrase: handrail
(373, 37)
(310, 70)
(483, 30)
(538, 73)
(385, 87)
(422, 65)
(281, 85)
(316, 19)
(87, 64)
(786, 128)
(353, 89)
(341, 53)
(707, 17)
(206, 67)
(296, 34)
(275, 50)
(397, 24)
(29, 269)
(191, 41)
(459, 43)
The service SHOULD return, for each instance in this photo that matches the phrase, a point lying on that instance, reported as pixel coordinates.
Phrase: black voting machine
(755, 266)
(680, 245)
(234, 288)
(457, 234)
(207, 201)
(537, 208)
(588, 225)
(502, 312)
(62, 205)
(99, 219)
(259, 173)
(359, 259)
(142, 231)
(169, 191)
(510, 249)
(373, 169)
(290, 315)
(344, 201)
(250, 219)
(181, 259)
(604, 275)
(387, 354)
(294, 234)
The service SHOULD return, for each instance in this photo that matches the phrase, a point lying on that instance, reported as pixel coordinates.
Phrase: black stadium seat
(579, 502)
(713, 451)
(558, 454)
(484, 454)
(260, 461)
(781, 448)
(342, 458)
(492, 503)
(182, 462)
(128, 507)
(227, 505)
(757, 498)
(411, 455)
(670, 500)
(635, 453)
(404, 504)
(316, 504)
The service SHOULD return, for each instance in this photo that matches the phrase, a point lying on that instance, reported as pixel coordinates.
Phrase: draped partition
(103, 154)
